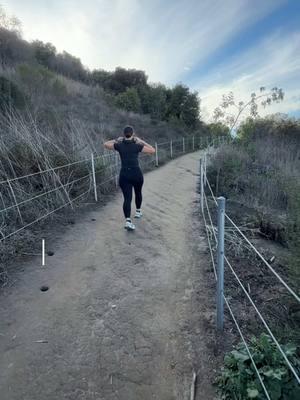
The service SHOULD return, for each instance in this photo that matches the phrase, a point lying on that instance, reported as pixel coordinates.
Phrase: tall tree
(129, 100)
(183, 105)
(44, 53)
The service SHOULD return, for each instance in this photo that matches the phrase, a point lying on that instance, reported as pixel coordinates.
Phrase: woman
(131, 176)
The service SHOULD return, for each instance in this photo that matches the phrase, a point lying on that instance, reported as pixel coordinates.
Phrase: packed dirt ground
(128, 315)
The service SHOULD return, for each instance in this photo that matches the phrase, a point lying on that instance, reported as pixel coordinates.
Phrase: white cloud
(169, 39)
(273, 62)
(161, 36)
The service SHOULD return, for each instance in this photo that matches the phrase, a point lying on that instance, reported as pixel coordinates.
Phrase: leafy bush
(10, 95)
(129, 100)
(239, 380)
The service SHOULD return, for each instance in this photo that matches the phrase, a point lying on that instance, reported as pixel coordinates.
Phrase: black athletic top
(129, 152)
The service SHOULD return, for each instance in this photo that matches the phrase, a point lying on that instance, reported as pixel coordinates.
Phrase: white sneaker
(138, 214)
(129, 226)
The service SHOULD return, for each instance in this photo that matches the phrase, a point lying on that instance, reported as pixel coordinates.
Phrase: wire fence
(215, 237)
(28, 199)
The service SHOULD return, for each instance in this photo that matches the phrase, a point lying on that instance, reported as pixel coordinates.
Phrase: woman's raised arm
(110, 143)
(148, 149)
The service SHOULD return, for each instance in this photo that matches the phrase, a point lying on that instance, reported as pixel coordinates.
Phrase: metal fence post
(220, 264)
(193, 143)
(94, 177)
(204, 169)
(171, 148)
(183, 145)
(156, 155)
(201, 185)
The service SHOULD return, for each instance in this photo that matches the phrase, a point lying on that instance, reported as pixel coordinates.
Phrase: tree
(10, 23)
(12, 48)
(191, 110)
(218, 129)
(221, 113)
(70, 66)
(129, 100)
(154, 100)
(183, 105)
(122, 78)
(101, 77)
(44, 53)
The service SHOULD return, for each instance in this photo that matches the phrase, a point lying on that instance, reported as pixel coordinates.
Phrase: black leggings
(131, 178)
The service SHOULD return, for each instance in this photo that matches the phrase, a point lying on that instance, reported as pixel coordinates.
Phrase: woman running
(129, 146)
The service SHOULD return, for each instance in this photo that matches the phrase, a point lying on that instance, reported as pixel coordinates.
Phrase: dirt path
(117, 317)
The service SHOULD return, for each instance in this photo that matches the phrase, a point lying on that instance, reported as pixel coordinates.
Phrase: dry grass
(54, 130)
(261, 171)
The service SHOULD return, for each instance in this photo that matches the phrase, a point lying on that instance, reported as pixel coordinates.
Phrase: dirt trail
(116, 320)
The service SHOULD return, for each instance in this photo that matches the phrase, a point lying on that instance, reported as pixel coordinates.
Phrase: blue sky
(213, 46)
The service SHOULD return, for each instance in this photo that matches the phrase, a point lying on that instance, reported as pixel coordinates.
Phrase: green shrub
(38, 79)
(35, 75)
(10, 95)
(129, 100)
(59, 89)
(239, 380)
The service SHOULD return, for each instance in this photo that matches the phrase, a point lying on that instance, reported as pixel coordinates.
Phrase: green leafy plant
(239, 380)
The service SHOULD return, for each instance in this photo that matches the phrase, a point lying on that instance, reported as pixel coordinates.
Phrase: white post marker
(171, 148)
(43, 252)
(156, 155)
(94, 176)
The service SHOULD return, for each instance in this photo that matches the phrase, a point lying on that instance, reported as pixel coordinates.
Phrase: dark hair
(128, 131)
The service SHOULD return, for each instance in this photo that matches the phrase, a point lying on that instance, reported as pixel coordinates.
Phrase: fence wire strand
(45, 193)
(43, 171)
(111, 163)
(245, 291)
(44, 216)
(247, 348)
(291, 291)
(232, 314)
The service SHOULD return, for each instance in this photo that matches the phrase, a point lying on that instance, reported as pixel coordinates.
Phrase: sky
(213, 46)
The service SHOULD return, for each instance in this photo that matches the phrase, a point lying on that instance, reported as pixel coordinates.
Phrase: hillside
(55, 112)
